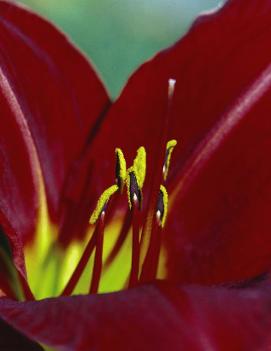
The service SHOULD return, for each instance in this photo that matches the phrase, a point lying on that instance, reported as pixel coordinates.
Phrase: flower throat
(145, 223)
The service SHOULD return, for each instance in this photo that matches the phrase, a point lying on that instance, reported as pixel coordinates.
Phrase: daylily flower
(189, 137)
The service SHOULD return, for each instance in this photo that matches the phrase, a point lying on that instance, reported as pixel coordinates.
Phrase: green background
(119, 35)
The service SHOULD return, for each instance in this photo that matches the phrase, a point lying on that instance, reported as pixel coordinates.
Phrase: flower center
(125, 245)
(143, 224)
(131, 180)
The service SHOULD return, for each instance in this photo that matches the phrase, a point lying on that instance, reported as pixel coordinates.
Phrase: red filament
(135, 247)
(121, 238)
(98, 260)
(81, 265)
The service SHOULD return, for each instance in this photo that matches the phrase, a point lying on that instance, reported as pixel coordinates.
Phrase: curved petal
(219, 228)
(210, 76)
(51, 103)
(152, 317)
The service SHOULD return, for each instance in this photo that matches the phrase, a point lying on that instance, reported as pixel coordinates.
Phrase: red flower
(58, 134)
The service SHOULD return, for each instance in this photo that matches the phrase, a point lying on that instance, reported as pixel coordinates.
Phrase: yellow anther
(102, 202)
(136, 177)
(139, 166)
(133, 190)
(169, 149)
(162, 206)
(120, 168)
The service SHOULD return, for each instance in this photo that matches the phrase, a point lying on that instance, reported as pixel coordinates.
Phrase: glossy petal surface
(51, 102)
(219, 228)
(153, 317)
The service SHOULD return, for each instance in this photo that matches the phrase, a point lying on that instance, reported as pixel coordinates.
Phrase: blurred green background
(119, 35)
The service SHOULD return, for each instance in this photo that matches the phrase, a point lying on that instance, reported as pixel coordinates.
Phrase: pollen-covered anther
(169, 149)
(139, 166)
(162, 206)
(120, 168)
(135, 178)
(100, 209)
(133, 190)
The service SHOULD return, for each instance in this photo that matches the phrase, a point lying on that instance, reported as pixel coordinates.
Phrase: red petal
(157, 317)
(201, 64)
(220, 226)
(50, 101)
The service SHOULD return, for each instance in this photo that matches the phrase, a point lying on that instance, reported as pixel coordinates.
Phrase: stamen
(96, 240)
(136, 177)
(151, 229)
(120, 168)
(135, 181)
(155, 216)
(70, 286)
(98, 259)
(135, 245)
(151, 261)
(139, 166)
(102, 203)
(169, 149)
(162, 206)
(158, 215)
(99, 214)
(133, 191)
(135, 199)
(121, 238)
